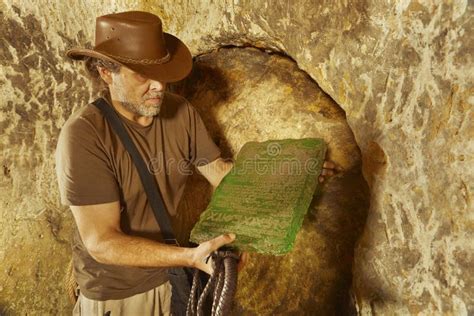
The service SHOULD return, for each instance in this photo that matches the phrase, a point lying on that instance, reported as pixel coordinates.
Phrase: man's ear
(105, 74)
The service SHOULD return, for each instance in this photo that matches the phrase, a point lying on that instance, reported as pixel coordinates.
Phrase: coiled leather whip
(222, 284)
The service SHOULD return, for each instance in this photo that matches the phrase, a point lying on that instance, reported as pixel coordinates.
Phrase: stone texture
(401, 71)
(264, 198)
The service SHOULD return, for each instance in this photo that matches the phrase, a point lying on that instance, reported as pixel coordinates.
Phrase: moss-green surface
(265, 196)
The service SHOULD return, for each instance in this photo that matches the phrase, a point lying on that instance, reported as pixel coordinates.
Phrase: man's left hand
(329, 168)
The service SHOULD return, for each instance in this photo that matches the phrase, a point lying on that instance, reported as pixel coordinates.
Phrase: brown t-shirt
(93, 167)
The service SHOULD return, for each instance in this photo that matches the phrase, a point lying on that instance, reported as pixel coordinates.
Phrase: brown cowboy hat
(136, 40)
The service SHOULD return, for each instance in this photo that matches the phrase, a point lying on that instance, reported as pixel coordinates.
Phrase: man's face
(137, 94)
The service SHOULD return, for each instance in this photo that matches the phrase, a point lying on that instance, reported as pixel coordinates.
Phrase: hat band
(157, 61)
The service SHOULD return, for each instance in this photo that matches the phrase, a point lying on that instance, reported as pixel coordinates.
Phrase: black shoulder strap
(149, 182)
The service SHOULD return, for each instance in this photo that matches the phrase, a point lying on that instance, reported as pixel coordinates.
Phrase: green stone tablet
(265, 196)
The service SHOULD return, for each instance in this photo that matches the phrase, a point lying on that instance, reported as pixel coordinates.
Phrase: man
(118, 254)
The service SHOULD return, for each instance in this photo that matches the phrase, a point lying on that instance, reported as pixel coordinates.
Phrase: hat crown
(133, 35)
(136, 40)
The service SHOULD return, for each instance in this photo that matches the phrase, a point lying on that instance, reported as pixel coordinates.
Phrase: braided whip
(222, 284)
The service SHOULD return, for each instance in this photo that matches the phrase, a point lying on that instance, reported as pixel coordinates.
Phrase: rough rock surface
(402, 72)
(35, 100)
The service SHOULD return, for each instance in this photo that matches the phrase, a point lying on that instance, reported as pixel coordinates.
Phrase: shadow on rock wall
(248, 95)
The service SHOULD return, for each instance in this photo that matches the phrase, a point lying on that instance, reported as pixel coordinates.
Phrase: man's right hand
(204, 250)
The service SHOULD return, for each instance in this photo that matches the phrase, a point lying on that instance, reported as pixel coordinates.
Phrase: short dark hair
(91, 64)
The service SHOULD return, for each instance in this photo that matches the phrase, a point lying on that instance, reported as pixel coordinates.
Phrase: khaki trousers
(155, 302)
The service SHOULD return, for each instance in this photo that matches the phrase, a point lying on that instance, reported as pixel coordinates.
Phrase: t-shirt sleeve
(202, 149)
(83, 169)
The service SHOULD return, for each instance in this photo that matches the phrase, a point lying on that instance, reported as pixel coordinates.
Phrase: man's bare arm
(99, 227)
(215, 171)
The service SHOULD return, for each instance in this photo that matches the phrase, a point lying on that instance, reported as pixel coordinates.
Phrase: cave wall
(401, 71)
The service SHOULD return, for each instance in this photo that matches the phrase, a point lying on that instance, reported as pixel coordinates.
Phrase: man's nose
(157, 85)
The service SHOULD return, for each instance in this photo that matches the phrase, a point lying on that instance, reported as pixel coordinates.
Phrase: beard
(142, 108)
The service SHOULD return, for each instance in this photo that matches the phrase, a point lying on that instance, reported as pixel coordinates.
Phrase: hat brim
(175, 69)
